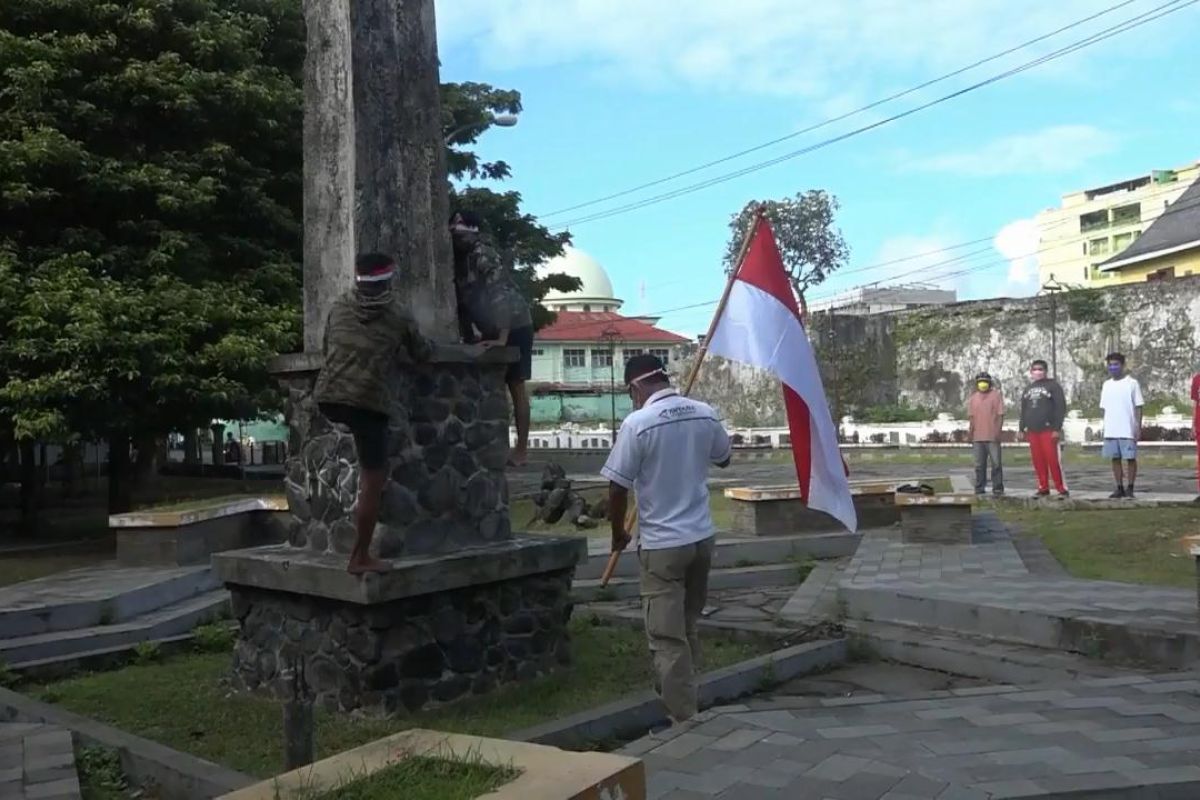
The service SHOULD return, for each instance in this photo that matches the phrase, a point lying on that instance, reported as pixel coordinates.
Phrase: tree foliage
(811, 245)
(149, 211)
(467, 110)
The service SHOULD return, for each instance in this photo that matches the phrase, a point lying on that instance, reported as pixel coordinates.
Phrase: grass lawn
(425, 779)
(1138, 545)
(184, 702)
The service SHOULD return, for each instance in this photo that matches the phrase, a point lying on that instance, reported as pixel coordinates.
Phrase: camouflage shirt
(488, 294)
(362, 338)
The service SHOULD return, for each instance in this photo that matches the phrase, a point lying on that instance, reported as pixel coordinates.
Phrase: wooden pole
(631, 515)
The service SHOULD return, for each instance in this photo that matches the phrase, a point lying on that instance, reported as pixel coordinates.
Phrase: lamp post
(503, 120)
(1052, 288)
(611, 335)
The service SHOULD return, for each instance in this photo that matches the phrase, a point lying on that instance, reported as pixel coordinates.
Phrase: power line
(1043, 226)
(1127, 25)
(838, 118)
(1053, 245)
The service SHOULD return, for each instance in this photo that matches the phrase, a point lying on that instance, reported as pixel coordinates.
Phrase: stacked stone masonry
(448, 445)
(404, 655)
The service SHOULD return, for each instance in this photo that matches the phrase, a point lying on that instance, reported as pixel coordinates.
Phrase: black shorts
(370, 430)
(522, 368)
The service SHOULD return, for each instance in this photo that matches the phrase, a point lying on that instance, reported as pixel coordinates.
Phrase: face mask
(1114, 369)
(982, 386)
(1037, 374)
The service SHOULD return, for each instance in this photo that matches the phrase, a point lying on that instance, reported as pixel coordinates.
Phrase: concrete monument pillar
(469, 604)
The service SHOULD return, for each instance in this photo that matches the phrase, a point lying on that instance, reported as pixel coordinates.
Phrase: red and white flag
(760, 325)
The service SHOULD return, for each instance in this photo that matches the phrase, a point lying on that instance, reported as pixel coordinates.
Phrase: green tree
(149, 210)
(467, 110)
(810, 243)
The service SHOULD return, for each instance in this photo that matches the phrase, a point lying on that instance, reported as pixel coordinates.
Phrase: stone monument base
(434, 630)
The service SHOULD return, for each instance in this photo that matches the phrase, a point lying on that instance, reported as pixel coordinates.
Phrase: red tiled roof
(593, 326)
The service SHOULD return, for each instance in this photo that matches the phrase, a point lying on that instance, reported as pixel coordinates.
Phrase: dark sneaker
(1042, 493)
(1129, 493)
(999, 493)
(1064, 493)
(1117, 494)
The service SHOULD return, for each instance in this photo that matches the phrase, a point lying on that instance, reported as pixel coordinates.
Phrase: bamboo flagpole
(631, 515)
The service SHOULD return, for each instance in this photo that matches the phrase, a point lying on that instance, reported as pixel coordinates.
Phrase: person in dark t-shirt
(1043, 409)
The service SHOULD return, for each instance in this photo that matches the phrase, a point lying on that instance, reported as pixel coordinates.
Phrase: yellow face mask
(982, 385)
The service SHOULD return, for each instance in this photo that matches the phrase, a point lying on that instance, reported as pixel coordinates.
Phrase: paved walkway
(980, 743)
(37, 762)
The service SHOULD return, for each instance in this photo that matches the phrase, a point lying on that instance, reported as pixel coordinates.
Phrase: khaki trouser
(674, 590)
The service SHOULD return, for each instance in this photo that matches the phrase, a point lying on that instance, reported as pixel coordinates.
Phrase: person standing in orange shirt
(985, 415)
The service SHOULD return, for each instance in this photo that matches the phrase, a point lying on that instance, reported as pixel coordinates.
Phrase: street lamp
(503, 120)
(611, 335)
(1052, 288)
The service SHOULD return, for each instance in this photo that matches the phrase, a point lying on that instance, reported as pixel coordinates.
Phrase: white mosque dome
(595, 292)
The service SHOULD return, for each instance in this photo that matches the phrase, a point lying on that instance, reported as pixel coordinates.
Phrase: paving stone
(739, 739)
(1125, 734)
(856, 731)
(838, 767)
(998, 790)
(683, 745)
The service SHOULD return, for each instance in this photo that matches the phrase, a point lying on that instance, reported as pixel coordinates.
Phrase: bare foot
(361, 566)
(518, 459)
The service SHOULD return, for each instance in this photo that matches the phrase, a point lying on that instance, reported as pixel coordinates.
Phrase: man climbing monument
(367, 327)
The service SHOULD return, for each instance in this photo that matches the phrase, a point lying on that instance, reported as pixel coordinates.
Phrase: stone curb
(1054, 503)
(635, 714)
(147, 763)
(739, 631)
(785, 574)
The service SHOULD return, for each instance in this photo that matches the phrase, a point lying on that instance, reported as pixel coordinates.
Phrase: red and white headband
(382, 273)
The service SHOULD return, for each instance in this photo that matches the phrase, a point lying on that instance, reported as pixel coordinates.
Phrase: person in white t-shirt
(1121, 401)
(663, 453)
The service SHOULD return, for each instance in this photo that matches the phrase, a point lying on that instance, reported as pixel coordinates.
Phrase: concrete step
(171, 620)
(96, 596)
(787, 574)
(731, 551)
(974, 657)
(1170, 644)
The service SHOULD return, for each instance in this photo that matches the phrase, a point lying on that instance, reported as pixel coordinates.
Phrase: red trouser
(1043, 449)
(1196, 435)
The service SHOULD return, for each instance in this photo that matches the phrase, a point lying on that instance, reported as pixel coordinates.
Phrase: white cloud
(814, 51)
(1060, 148)
(1018, 242)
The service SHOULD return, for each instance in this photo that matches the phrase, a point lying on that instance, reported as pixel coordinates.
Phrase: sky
(619, 93)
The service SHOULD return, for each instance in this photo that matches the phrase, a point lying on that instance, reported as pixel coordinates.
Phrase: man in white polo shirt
(663, 452)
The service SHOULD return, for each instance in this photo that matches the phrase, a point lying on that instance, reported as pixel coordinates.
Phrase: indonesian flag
(760, 325)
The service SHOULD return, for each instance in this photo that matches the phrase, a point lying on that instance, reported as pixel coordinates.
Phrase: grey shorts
(1117, 449)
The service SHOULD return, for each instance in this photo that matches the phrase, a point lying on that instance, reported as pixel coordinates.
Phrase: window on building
(537, 351)
(1121, 241)
(1098, 247)
(574, 358)
(1093, 221)
(630, 353)
(602, 358)
(586, 307)
(661, 353)
(1127, 215)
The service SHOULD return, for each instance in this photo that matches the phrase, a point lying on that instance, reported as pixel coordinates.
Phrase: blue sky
(620, 92)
